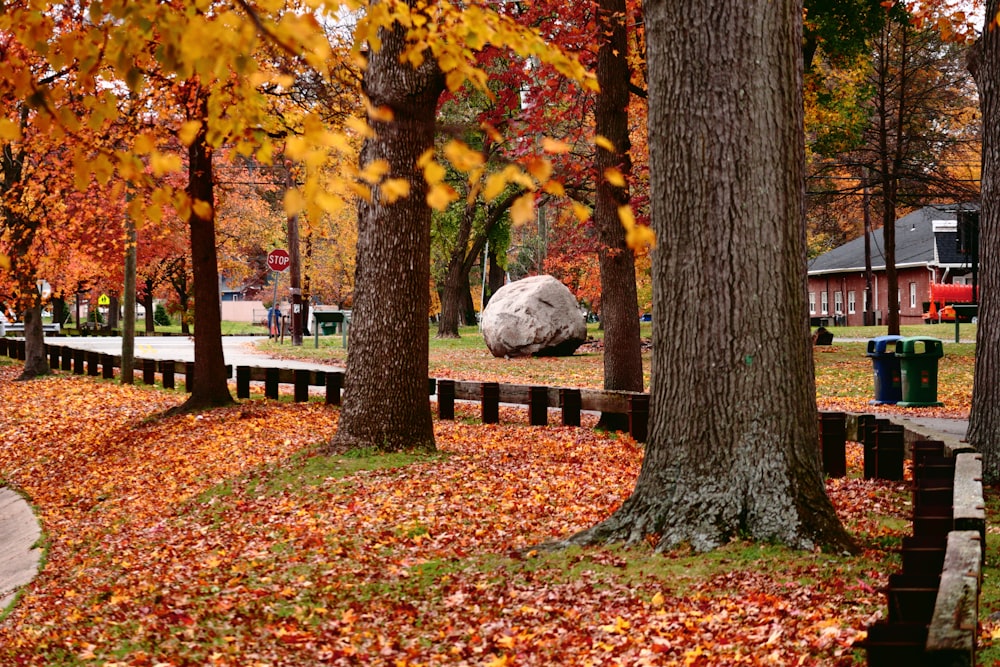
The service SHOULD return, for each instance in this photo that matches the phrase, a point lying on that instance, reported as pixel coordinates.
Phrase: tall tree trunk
(147, 303)
(452, 297)
(386, 405)
(619, 301)
(211, 382)
(36, 363)
(496, 277)
(984, 418)
(733, 428)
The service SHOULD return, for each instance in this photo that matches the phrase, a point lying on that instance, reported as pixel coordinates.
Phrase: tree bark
(619, 301)
(211, 382)
(984, 417)
(386, 405)
(733, 424)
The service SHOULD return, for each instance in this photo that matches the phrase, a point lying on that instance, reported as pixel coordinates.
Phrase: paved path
(237, 350)
(19, 552)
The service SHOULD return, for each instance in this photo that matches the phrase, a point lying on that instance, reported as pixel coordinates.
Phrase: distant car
(646, 317)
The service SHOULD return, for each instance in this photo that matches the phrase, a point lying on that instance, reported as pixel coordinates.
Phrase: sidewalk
(19, 552)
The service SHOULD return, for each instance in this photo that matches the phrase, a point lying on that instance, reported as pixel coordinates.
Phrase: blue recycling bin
(885, 363)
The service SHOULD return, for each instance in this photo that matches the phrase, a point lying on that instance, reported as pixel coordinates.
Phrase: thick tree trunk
(619, 302)
(733, 424)
(984, 418)
(211, 382)
(36, 363)
(386, 405)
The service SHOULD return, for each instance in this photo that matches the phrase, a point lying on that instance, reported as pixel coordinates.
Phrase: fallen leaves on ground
(220, 539)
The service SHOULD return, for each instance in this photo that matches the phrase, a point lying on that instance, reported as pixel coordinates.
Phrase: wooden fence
(571, 402)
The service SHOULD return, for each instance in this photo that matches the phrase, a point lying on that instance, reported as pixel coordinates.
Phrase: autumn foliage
(223, 539)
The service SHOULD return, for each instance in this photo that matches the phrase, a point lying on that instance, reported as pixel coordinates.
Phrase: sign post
(278, 261)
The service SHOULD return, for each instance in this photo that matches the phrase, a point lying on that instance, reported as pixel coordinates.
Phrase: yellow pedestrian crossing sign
(103, 300)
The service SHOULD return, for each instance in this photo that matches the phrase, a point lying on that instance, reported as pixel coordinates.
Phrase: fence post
(107, 367)
(167, 370)
(334, 381)
(149, 371)
(832, 442)
(446, 399)
(53, 355)
(638, 416)
(569, 400)
(189, 376)
(301, 385)
(93, 360)
(242, 382)
(271, 376)
(491, 402)
(866, 436)
(889, 446)
(538, 402)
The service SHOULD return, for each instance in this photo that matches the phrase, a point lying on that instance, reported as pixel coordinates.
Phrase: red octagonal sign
(278, 260)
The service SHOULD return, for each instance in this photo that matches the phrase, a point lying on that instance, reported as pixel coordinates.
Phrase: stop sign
(278, 260)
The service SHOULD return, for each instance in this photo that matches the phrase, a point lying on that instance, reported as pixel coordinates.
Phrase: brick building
(926, 252)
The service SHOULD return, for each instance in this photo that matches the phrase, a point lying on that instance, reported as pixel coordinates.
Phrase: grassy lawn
(844, 373)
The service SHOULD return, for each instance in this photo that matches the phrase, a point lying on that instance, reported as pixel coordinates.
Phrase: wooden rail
(538, 399)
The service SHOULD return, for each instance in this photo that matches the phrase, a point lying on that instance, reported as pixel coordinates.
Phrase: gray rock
(534, 316)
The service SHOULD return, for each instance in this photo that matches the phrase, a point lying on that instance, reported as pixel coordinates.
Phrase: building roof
(919, 242)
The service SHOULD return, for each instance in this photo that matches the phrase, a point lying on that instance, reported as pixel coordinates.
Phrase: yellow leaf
(523, 209)
(294, 202)
(658, 600)
(395, 188)
(640, 237)
(507, 641)
(4, 262)
(626, 216)
(581, 212)
(374, 171)
(360, 126)
(202, 209)
(9, 131)
(434, 173)
(614, 177)
(540, 168)
(164, 163)
(604, 142)
(500, 661)
(144, 144)
(555, 188)
(550, 145)
(440, 195)
(188, 132)
(495, 184)
(379, 114)
(461, 156)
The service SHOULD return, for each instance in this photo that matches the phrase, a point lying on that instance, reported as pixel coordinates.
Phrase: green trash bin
(918, 367)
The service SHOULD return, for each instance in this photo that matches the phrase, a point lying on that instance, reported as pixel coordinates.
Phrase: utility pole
(128, 298)
(294, 266)
(869, 305)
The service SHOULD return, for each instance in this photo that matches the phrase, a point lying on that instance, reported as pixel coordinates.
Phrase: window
(913, 295)
(838, 303)
(851, 303)
(824, 304)
(812, 303)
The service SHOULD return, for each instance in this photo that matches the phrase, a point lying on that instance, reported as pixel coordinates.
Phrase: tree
(733, 429)
(386, 404)
(984, 417)
(211, 386)
(619, 301)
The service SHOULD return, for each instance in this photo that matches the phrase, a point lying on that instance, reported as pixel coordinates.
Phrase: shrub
(161, 317)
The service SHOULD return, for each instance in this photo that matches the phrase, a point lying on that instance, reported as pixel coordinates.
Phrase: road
(237, 350)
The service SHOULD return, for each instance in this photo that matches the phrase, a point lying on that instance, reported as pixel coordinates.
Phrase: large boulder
(534, 316)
